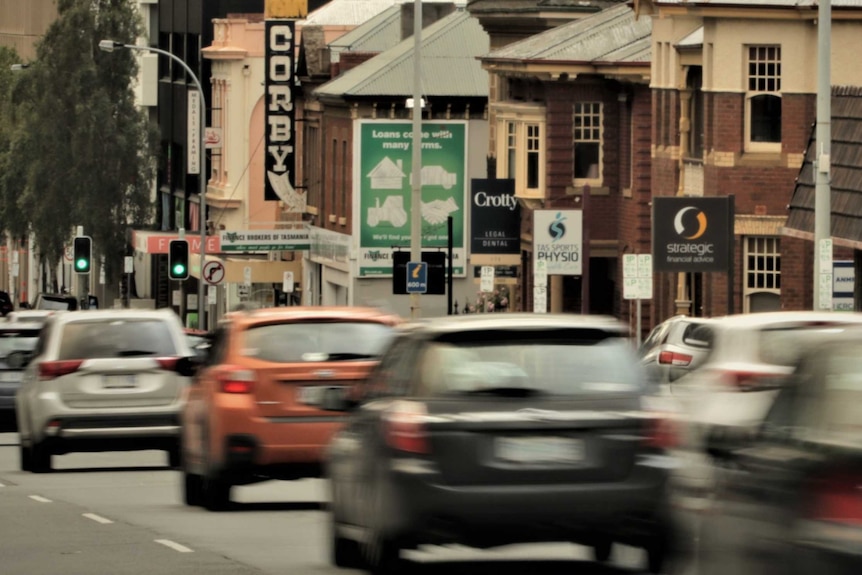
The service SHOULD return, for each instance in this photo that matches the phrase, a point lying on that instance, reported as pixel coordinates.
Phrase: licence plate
(313, 394)
(539, 449)
(124, 381)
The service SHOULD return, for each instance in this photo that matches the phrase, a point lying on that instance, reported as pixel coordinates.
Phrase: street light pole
(110, 46)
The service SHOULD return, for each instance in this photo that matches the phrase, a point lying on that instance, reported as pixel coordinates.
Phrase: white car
(735, 385)
(106, 380)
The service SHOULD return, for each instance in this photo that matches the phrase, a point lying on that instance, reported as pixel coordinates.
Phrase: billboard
(692, 234)
(558, 241)
(280, 134)
(383, 177)
(495, 222)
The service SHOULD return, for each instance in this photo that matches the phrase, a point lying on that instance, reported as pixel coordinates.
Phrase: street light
(110, 46)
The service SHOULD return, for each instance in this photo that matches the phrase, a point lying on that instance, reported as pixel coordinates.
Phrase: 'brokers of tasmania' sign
(279, 112)
(692, 234)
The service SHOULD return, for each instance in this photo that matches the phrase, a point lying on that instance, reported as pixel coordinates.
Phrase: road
(121, 513)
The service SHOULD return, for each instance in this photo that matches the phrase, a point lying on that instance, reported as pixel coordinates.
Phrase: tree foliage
(81, 152)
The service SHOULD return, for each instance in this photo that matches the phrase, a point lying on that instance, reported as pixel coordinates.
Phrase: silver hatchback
(107, 380)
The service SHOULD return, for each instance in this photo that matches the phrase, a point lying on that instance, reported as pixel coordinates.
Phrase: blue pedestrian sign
(417, 277)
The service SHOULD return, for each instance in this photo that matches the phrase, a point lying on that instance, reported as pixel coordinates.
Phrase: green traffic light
(81, 265)
(179, 269)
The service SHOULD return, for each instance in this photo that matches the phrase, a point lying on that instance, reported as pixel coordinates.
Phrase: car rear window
(532, 363)
(116, 338)
(317, 341)
(22, 339)
(783, 345)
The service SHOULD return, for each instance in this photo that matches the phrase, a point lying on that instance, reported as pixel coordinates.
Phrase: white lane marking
(97, 518)
(40, 499)
(174, 546)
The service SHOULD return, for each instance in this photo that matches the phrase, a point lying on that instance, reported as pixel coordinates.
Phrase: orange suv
(253, 411)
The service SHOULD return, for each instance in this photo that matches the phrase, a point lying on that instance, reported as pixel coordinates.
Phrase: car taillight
(167, 363)
(661, 433)
(837, 498)
(405, 427)
(236, 381)
(674, 358)
(52, 369)
(752, 380)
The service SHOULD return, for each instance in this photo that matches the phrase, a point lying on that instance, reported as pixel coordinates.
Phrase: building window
(333, 189)
(521, 149)
(312, 164)
(511, 149)
(763, 99)
(587, 141)
(344, 178)
(762, 273)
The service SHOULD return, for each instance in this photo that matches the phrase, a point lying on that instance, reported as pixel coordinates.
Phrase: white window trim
(593, 182)
(521, 115)
(749, 94)
(747, 292)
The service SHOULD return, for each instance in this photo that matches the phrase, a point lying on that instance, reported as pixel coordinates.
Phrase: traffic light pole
(110, 46)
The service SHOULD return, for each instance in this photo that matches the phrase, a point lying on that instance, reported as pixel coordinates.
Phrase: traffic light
(82, 254)
(178, 259)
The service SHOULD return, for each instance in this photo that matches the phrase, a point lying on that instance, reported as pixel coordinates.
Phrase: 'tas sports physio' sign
(692, 234)
(558, 241)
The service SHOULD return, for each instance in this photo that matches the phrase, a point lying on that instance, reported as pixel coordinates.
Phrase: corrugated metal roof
(612, 35)
(845, 171)
(762, 3)
(380, 33)
(449, 50)
(350, 12)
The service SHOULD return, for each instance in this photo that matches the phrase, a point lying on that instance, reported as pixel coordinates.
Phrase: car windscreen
(532, 363)
(782, 345)
(55, 304)
(317, 341)
(115, 337)
(20, 339)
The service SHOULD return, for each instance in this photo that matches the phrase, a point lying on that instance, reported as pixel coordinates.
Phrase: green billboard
(384, 179)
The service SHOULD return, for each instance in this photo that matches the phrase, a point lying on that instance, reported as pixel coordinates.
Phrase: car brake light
(674, 358)
(168, 363)
(752, 380)
(838, 499)
(405, 427)
(52, 369)
(236, 381)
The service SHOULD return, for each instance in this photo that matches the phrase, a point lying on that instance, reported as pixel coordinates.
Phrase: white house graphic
(387, 175)
(436, 176)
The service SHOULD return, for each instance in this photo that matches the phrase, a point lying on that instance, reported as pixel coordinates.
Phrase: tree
(82, 153)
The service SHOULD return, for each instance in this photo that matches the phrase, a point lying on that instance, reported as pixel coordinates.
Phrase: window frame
(597, 181)
(773, 252)
(521, 117)
(752, 93)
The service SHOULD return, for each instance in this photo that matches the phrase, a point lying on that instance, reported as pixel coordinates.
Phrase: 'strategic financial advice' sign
(692, 234)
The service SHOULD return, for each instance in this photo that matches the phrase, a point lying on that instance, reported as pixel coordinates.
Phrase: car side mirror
(188, 366)
(336, 399)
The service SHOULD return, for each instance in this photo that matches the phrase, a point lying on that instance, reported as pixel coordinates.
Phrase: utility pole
(416, 201)
(822, 186)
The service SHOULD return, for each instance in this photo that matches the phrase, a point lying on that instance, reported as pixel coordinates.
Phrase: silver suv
(106, 380)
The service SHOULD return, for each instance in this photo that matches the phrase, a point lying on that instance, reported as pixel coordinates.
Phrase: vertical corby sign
(279, 114)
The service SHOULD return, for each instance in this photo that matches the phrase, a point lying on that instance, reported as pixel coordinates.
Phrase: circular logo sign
(214, 273)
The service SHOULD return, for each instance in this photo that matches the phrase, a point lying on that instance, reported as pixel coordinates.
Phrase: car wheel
(24, 452)
(193, 489)
(40, 459)
(602, 551)
(216, 494)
